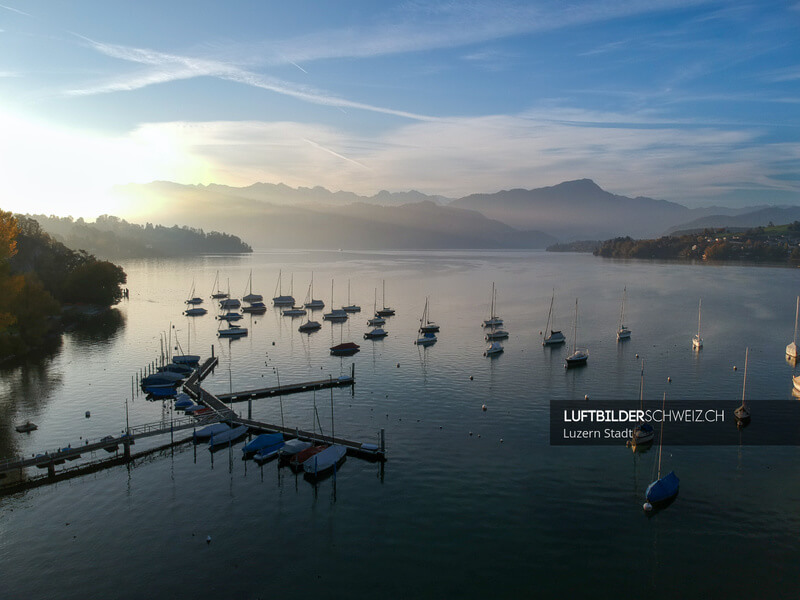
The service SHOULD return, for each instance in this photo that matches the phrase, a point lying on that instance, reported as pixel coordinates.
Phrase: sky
(692, 101)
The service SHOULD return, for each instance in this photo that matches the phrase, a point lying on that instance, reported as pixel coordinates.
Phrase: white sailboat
(697, 341)
(376, 320)
(427, 336)
(494, 320)
(280, 299)
(310, 302)
(250, 296)
(555, 336)
(337, 315)
(385, 311)
(350, 308)
(791, 349)
(227, 302)
(623, 333)
(217, 293)
(579, 356)
(742, 413)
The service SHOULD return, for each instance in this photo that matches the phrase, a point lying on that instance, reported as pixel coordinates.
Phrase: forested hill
(37, 276)
(114, 238)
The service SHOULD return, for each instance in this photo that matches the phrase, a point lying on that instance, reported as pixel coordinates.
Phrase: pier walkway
(219, 412)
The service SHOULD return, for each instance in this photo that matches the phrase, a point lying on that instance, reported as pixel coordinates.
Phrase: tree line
(38, 275)
(115, 238)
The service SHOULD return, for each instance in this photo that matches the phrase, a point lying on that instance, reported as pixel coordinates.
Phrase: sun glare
(50, 170)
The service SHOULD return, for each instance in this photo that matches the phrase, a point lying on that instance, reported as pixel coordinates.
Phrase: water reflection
(25, 387)
(102, 328)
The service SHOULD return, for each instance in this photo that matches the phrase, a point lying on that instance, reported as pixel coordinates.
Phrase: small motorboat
(496, 334)
(376, 321)
(26, 427)
(345, 349)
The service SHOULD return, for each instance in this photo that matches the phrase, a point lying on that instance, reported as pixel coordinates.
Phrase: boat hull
(664, 490)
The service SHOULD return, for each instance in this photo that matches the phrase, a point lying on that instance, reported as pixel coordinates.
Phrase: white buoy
(647, 507)
(637, 355)
(501, 440)
(483, 408)
(734, 367)
(470, 377)
(586, 396)
(208, 539)
(669, 379)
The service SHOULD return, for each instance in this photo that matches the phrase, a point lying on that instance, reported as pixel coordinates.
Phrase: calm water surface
(499, 512)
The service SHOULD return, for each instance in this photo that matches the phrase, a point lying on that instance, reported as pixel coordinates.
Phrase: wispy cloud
(336, 154)
(171, 67)
(16, 10)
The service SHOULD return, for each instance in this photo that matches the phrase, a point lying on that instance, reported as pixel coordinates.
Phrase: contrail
(299, 67)
(16, 11)
(336, 154)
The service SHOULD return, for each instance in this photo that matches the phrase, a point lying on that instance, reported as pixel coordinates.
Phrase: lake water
(470, 503)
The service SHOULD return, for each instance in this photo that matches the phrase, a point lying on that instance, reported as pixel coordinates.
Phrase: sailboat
(385, 311)
(216, 293)
(697, 341)
(427, 335)
(376, 320)
(426, 325)
(493, 348)
(555, 336)
(251, 297)
(664, 489)
(643, 433)
(337, 315)
(494, 320)
(579, 356)
(350, 308)
(623, 333)
(791, 349)
(310, 302)
(192, 298)
(280, 299)
(742, 414)
(227, 302)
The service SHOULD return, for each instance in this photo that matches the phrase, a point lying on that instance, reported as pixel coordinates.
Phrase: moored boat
(206, 432)
(26, 427)
(296, 462)
(260, 442)
(345, 349)
(579, 356)
(375, 334)
(493, 348)
(325, 461)
(225, 437)
(232, 331)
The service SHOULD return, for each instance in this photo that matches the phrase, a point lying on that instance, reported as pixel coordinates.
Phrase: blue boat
(261, 441)
(268, 452)
(226, 437)
(663, 490)
(183, 401)
(193, 360)
(160, 391)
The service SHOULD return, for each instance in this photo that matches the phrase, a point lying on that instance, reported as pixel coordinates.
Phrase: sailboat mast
(641, 388)
(622, 310)
(575, 336)
(699, 310)
(744, 382)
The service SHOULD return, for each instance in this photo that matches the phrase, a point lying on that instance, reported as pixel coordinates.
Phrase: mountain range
(278, 216)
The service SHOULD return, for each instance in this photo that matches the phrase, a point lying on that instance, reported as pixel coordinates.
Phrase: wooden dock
(220, 412)
(283, 390)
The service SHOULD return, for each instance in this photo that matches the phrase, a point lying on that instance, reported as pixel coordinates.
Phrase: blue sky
(692, 101)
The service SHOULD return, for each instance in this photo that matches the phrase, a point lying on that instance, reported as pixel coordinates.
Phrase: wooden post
(126, 447)
(51, 469)
(250, 407)
(383, 440)
(212, 350)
